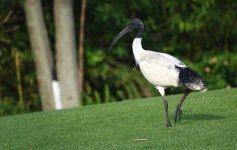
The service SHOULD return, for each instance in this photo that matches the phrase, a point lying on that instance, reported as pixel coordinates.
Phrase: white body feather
(158, 68)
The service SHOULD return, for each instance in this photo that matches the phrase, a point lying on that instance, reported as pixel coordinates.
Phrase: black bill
(124, 31)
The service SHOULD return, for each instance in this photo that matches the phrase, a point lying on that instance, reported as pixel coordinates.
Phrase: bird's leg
(178, 111)
(168, 124)
(162, 92)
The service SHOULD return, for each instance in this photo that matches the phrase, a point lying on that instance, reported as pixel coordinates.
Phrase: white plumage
(162, 70)
(158, 68)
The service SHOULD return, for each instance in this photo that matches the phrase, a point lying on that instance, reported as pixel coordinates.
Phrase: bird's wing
(160, 69)
(163, 59)
(174, 60)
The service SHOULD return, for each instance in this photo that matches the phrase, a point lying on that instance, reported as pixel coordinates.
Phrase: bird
(162, 70)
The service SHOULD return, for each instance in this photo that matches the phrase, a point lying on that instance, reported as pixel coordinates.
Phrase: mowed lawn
(209, 122)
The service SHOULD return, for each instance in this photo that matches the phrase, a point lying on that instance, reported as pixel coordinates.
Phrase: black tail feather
(190, 79)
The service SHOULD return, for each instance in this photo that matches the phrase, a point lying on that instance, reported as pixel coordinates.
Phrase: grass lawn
(209, 122)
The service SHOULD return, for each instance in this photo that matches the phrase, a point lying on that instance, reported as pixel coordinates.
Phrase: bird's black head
(135, 24)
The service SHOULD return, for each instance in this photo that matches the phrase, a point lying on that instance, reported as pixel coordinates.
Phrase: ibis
(161, 69)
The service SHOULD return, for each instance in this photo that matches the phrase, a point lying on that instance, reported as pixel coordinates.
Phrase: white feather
(158, 68)
(172, 59)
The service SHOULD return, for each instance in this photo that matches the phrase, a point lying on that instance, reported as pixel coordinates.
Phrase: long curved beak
(121, 33)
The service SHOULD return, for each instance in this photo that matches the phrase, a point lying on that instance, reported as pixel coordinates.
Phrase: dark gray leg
(162, 92)
(178, 111)
(168, 124)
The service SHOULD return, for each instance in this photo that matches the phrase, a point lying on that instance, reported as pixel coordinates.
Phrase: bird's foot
(168, 124)
(178, 113)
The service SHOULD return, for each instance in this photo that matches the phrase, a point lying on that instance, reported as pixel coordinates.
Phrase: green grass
(209, 122)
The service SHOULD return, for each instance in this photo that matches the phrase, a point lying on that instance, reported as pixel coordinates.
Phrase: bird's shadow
(199, 117)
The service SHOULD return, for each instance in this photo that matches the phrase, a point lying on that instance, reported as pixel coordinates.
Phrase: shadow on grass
(202, 117)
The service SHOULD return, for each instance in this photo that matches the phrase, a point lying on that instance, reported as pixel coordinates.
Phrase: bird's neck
(137, 49)
(139, 32)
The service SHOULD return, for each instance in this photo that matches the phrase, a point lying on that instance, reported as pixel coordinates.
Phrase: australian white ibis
(162, 70)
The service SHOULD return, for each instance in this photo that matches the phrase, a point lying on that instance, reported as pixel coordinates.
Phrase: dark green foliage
(14, 39)
(209, 122)
(200, 33)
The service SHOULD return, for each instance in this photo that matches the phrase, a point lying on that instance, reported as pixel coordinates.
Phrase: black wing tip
(190, 79)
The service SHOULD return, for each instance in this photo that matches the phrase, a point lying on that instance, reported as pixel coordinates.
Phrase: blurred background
(54, 54)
